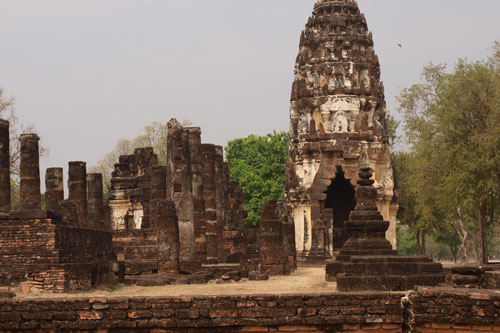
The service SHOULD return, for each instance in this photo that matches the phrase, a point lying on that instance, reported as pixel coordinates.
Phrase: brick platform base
(423, 310)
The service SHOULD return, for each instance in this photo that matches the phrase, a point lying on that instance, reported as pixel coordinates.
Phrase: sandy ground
(304, 280)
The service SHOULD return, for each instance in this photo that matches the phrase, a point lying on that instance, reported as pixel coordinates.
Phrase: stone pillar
(208, 155)
(54, 188)
(198, 201)
(220, 198)
(95, 204)
(327, 217)
(77, 185)
(179, 189)
(4, 167)
(288, 231)
(233, 245)
(158, 191)
(29, 196)
(251, 257)
(168, 237)
(273, 258)
(69, 212)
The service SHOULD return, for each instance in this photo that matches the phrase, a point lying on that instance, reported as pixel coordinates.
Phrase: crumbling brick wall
(130, 190)
(208, 204)
(233, 236)
(54, 257)
(299, 313)
(434, 310)
(277, 254)
(137, 249)
(437, 309)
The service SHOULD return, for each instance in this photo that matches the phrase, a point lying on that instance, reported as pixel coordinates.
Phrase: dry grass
(304, 280)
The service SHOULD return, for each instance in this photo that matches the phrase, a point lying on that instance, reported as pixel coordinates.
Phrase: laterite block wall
(55, 257)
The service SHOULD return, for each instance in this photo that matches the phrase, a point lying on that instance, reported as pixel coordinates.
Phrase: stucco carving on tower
(337, 110)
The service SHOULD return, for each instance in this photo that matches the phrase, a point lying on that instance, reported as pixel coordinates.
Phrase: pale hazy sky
(89, 72)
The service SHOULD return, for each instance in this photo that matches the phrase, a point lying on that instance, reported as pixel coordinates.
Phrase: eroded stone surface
(337, 110)
(179, 188)
(367, 260)
(77, 187)
(4, 167)
(54, 188)
(130, 190)
(208, 226)
(29, 193)
(95, 202)
(168, 237)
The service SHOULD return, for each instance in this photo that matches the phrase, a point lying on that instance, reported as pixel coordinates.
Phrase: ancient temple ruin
(206, 227)
(49, 249)
(182, 223)
(337, 110)
(161, 222)
(367, 260)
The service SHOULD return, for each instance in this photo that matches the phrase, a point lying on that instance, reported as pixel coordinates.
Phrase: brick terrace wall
(52, 256)
(439, 310)
(424, 310)
(24, 243)
(380, 312)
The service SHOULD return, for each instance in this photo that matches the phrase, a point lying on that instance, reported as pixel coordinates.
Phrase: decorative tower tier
(337, 111)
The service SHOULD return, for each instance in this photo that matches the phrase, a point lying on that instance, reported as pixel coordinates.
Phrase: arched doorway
(340, 198)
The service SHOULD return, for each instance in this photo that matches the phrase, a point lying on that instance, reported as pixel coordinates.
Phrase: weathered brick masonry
(209, 228)
(4, 167)
(440, 310)
(422, 310)
(303, 313)
(277, 253)
(50, 256)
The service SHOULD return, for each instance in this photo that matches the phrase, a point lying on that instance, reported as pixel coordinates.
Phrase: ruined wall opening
(340, 198)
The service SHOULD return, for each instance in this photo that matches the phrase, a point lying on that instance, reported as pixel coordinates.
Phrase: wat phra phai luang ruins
(183, 223)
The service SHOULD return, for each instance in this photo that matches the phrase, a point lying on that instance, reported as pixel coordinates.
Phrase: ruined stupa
(367, 260)
(337, 110)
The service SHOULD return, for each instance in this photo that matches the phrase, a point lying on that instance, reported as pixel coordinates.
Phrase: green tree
(452, 124)
(392, 128)
(407, 243)
(258, 163)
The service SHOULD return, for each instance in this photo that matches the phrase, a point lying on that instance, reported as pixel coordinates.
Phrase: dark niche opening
(340, 198)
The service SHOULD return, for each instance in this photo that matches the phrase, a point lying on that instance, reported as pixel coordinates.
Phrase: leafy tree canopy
(452, 125)
(258, 163)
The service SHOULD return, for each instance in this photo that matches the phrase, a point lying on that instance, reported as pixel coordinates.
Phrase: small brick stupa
(367, 260)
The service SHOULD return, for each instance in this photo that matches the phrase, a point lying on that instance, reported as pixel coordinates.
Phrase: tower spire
(337, 110)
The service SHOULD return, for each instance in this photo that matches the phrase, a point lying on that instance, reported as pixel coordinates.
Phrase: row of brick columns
(85, 190)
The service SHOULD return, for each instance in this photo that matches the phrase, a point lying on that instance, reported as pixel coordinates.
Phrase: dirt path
(304, 280)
